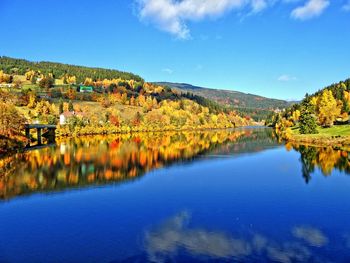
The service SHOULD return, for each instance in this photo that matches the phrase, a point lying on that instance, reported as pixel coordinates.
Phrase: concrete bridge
(49, 132)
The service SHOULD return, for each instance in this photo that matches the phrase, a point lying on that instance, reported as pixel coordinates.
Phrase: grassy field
(336, 136)
(125, 112)
(339, 130)
(335, 131)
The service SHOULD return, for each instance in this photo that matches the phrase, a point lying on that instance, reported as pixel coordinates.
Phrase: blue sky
(275, 48)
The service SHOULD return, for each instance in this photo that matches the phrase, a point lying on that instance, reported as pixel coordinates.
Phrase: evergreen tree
(307, 121)
(70, 106)
(60, 106)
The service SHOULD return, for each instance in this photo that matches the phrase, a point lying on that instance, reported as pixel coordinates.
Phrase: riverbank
(336, 136)
(63, 132)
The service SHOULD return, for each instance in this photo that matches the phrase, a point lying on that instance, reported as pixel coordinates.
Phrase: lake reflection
(325, 158)
(218, 196)
(174, 237)
(102, 160)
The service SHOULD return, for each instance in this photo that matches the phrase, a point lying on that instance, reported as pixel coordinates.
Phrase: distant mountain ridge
(258, 107)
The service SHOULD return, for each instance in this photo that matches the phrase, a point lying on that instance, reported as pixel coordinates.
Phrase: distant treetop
(59, 70)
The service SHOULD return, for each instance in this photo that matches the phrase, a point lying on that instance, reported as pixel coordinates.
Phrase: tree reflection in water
(325, 158)
(102, 160)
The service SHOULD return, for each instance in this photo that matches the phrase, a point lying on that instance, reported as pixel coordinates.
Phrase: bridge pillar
(28, 136)
(38, 130)
(51, 135)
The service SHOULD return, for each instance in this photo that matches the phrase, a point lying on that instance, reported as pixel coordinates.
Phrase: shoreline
(59, 136)
(319, 140)
(131, 131)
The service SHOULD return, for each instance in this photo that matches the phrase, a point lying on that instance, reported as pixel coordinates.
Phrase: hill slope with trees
(84, 101)
(320, 115)
(62, 71)
(257, 107)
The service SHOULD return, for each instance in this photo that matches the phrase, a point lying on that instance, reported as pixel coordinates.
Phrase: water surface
(219, 196)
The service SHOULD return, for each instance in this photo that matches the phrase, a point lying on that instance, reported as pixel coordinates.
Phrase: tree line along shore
(319, 119)
(97, 101)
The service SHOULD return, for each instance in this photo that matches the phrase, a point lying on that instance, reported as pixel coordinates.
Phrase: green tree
(70, 106)
(307, 122)
(308, 157)
(46, 83)
(60, 106)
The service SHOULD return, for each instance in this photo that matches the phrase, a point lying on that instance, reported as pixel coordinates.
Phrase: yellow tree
(106, 83)
(71, 93)
(346, 101)
(71, 79)
(31, 101)
(149, 103)
(88, 82)
(142, 100)
(328, 109)
(132, 101)
(44, 108)
(155, 103)
(124, 98)
(296, 115)
(5, 77)
(65, 107)
(30, 74)
(118, 97)
(11, 121)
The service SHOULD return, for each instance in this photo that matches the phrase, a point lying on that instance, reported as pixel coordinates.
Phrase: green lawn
(33, 87)
(339, 130)
(336, 130)
(126, 112)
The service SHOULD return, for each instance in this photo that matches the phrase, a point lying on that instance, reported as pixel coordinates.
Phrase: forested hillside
(257, 107)
(323, 109)
(61, 71)
(83, 101)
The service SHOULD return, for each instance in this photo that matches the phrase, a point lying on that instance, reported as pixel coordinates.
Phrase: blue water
(223, 205)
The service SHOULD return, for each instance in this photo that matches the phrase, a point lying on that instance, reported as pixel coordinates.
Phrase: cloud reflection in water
(312, 236)
(174, 237)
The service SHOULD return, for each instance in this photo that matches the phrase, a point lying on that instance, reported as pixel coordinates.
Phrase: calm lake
(218, 196)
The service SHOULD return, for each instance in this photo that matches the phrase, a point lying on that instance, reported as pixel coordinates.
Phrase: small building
(85, 89)
(65, 116)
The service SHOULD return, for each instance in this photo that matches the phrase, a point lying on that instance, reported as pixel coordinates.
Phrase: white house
(64, 117)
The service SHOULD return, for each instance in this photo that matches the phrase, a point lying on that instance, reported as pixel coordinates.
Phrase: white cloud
(258, 5)
(312, 8)
(286, 77)
(167, 70)
(172, 15)
(346, 6)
